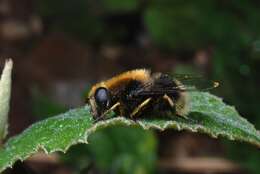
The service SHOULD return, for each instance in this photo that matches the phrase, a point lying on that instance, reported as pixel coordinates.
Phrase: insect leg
(169, 100)
(172, 104)
(139, 107)
(109, 110)
(112, 108)
(182, 105)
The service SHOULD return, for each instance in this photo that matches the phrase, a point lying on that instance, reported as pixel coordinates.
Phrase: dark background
(61, 47)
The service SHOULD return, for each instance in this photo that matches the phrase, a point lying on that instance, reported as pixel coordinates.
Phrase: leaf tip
(5, 92)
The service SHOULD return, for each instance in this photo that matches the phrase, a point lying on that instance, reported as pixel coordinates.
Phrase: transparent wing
(187, 83)
(191, 82)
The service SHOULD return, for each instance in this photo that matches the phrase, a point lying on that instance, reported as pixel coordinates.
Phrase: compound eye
(102, 97)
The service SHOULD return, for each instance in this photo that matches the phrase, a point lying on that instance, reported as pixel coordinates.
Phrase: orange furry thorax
(141, 75)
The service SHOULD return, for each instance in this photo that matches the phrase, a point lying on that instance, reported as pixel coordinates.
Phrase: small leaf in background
(5, 92)
(209, 114)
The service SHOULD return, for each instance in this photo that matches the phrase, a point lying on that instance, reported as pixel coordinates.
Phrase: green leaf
(208, 115)
(5, 91)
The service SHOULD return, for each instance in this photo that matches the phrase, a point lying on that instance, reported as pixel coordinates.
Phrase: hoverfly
(139, 92)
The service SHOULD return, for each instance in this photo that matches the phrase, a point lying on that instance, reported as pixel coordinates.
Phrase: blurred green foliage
(118, 5)
(124, 150)
(115, 150)
(229, 28)
(73, 17)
